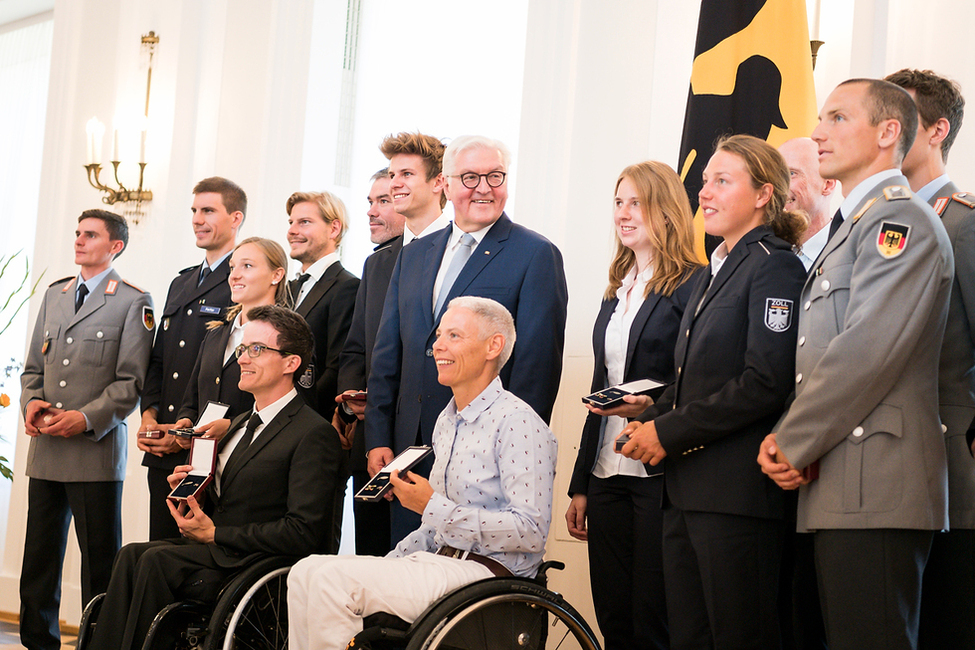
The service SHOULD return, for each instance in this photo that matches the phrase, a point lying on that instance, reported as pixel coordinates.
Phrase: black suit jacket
(735, 360)
(182, 327)
(328, 311)
(213, 379)
(277, 499)
(356, 357)
(649, 354)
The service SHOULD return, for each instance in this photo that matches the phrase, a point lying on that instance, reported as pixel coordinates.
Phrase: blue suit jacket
(512, 265)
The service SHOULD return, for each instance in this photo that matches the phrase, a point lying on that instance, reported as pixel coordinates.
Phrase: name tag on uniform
(210, 310)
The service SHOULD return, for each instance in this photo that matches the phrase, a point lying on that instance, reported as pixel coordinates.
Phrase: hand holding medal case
(203, 458)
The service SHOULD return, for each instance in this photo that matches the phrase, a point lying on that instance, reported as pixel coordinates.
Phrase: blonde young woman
(257, 271)
(615, 500)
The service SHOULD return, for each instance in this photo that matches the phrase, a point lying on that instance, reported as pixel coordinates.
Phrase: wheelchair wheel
(88, 618)
(503, 614)
(252, 612)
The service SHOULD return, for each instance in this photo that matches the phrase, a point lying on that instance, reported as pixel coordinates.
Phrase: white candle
(142, 148)
(817, 10)
(115, 145)
(95, 131)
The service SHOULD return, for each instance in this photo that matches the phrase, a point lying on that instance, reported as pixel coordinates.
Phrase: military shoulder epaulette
(70, 277)
(897, 193)
(133, 286)
(187, 269)
(967, 199)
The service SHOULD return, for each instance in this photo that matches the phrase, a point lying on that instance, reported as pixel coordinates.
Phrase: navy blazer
(735, 359)
(182, 327)
(513, 265)
(216, 380)
(649, 354)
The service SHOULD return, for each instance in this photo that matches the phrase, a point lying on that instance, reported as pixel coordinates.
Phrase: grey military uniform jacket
(871, 322)
(956, 386)
(95, 362)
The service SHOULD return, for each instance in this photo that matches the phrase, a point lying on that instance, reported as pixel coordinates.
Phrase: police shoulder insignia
(778, 314)
(965, 198)
(897, 193)
(892, 239)
(147, 318)
(307, 379)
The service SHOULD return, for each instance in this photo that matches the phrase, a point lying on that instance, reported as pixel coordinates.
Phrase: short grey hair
(466, 142)
(493, 319)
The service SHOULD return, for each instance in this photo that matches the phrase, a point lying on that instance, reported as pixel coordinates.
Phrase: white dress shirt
(315, 272)
(630, 297)
(267, 414)
(448, 255)
(439, 224)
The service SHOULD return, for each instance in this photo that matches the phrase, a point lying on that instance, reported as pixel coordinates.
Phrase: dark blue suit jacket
(649, 354)
(735, 362)
(512, 265)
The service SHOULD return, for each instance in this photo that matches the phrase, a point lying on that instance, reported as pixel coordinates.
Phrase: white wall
(604, 86)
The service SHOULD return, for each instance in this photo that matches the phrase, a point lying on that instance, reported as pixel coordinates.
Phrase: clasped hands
(40, 418)
(777, 467)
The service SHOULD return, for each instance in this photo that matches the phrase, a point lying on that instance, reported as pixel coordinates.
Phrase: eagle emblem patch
(778, 314)
(147, 318)
(307, 379)
(892, 239)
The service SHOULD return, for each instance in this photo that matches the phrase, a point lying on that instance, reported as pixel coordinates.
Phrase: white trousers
(328, 595)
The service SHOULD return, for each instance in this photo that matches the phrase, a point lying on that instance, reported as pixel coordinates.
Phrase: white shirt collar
(718, 257)
(318, 268)
(438, 224)
(271, 411)
(814, 246)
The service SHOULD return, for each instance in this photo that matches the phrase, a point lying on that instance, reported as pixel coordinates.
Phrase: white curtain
(25, 62)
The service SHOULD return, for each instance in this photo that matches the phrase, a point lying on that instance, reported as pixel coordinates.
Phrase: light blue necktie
(461, 255)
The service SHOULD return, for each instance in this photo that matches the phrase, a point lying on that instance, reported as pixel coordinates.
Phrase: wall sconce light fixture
(95, 132)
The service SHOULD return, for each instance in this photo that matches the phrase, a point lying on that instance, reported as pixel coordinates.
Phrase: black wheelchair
(491, 614)
(250, 613)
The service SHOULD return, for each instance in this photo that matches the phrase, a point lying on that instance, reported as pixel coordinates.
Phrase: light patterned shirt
(492, 479)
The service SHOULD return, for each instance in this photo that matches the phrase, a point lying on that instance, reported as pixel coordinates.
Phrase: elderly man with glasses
(483, 253)
(272, 492)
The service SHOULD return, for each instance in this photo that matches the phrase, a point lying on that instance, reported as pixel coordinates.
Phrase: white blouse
(630, 299)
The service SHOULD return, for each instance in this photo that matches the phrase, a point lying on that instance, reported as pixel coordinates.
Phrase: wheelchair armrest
(542, 576)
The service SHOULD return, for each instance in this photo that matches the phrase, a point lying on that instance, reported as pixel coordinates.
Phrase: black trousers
(148, 576)
(722, 578)
(371, 521)
(161, 522)
(948, 592)
(625, 525)
(97, 511)
(870, 586)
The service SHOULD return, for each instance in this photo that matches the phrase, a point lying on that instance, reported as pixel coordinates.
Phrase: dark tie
(243, 443)
(296, 285)
(835, 224)
(80, 300)
(461, 255)
(203, 275)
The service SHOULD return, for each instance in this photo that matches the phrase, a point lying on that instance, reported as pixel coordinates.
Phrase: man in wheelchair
(272, 492)
(486, 509)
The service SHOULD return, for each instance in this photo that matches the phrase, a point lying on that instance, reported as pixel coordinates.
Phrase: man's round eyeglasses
(254, 350)
(472, 180)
